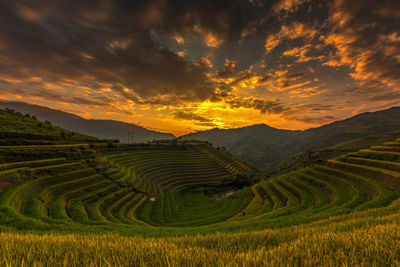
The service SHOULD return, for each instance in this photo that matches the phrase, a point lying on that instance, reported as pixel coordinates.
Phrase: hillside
(149, 190)
(16, 128)
(318, 156)
(135, 186)
(103, 129)
(172, 168)
(361, 125)
(173, 199)
(256, 144)
(262, 145)
(134, 180)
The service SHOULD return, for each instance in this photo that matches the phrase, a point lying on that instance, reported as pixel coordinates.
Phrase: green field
(148, 205)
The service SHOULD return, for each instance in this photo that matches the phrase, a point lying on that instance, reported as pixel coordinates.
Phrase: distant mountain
(319, 156)
(262, 145)
(255, 144)
(361, 125)
(259, 145)
(103, 129)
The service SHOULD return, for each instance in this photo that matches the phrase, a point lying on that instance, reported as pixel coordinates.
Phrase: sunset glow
(184, 66)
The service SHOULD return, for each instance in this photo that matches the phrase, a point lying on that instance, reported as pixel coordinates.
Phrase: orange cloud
(212, 40)
(289, 5)
(306, 92)
(179, 39)
(28, 13)
(364, 43)
(301, 53)
(155, 67)
(291, 32)
(272, 41)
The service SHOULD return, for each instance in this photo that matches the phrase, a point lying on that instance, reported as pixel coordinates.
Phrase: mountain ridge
(103, 129)
(269, 145)
(259, 145)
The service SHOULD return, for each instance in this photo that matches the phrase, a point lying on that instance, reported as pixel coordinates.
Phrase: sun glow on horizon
(285, 64)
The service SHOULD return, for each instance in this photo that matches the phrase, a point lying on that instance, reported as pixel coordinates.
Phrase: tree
(241, 180)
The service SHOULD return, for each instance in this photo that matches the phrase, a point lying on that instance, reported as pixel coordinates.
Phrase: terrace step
(145, 189)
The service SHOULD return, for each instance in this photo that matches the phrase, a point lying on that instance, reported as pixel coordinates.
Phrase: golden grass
(360, 238)
(330, 243)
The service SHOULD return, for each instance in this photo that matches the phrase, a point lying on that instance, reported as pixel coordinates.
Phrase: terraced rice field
(154, 171)
(144, 189)
(339, 213)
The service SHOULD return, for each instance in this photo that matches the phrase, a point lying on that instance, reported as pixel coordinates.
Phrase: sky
(181, 66)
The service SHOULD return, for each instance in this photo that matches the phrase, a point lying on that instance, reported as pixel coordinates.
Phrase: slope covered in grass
(16, 128)
(345, 211)
(137, 188)
(160, 169)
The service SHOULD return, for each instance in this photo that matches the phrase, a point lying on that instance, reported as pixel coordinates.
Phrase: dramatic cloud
(111, 43)
(228, 69)
(303, 54)
(366, 37)
(183, 65)
(291, 32)
(264, 106)
(190, 116)
(289, 5)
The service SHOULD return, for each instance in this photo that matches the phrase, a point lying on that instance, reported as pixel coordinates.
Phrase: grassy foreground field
(143, 206)
(341, 241)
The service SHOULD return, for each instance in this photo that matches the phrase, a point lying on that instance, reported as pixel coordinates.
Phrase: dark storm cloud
(227, 70)
(99, 101)
(242, 76)
(111, 42)
(135, 55)
(290, 112)
(264, 106)
(187, 115)
(226, 19)
(366, 35)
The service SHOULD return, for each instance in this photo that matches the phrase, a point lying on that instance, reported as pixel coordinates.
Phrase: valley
(157, 195)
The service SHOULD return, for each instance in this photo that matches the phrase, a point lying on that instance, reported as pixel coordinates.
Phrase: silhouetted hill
(262, 145)
(103, 129)
(364, 124)
(255, 144)
(259, 145)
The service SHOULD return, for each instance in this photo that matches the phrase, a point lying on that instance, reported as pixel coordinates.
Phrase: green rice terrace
(176, 199)
(135, 189)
